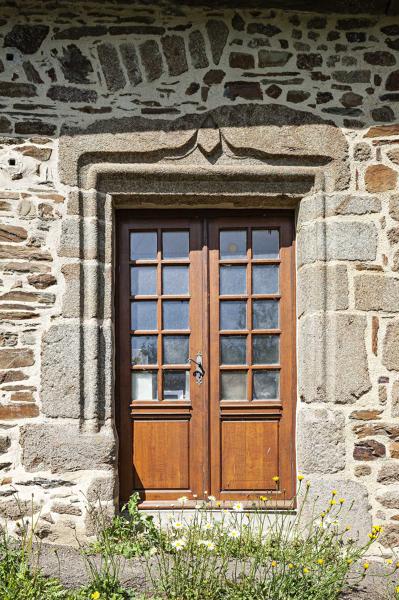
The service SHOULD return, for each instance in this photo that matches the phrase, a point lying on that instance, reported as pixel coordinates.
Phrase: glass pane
(175, 314)
(265, 314)
(175, 244)
(265, 349)
(176, 385)
(233, 244)
(233, 280)
(143, 281)
(265, 243)
(233, 385)
(233, 350)
(144, 385)
(144, 314)
(175, 349)
(233, 314)
(175, 280)
(143, 245)
(144, 350)
(265, 279)
(265, 385)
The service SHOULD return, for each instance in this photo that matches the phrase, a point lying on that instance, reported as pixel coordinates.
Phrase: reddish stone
(380, 178)
(366, 415)
(10, 412)
(15, 358)
(42, 281)
(22, 396)
(369, 450)
(250, 90)
(11, 233)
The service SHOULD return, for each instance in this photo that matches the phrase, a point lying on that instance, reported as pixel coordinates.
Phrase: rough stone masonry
(96, 69)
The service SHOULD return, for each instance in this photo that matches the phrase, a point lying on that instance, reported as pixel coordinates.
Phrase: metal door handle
(199, 371)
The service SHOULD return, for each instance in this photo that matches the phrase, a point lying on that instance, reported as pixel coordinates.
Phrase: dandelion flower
(341, 500)
(334, 493)
(276, 479)
(234, 534)
(274, 564)
(389, 561)
(366, 566)
(179, 544)
(301, 477)
(306, 570)
(263, 498)
(320, 561)
(238, 506)
(349, 561)
(218, 503)
(95, 595)
(290, 566)
(333, 502)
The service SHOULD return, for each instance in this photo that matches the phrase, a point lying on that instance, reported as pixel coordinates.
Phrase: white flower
(207, 526)
(207, 544)
(211, 498)
(238, 506)
(178, 525)
(182, 500)
(234, 534)
(153, 551)
(179, 544)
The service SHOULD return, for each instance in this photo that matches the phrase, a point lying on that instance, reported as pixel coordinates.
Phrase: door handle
(199, 370)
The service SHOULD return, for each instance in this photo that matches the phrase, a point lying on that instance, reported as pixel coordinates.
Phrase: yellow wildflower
(290, 566)
(389, 561)
(341, 500)
(332, 502)
(349, 561)
(334, 493)
(276, 478)
(95, 595)
(305, 570)
(366, 566)
(263, 498)
(300, 478)
(320, 561)
(274, 564)
(397, 589)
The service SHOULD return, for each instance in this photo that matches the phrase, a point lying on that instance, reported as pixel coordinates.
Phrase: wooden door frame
(125, 474)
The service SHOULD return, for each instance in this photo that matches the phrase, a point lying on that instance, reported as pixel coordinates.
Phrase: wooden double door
(205, 355)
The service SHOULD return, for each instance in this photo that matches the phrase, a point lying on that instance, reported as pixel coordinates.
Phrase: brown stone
(22, 396)
(17, 316)
(350, 100)
(9, 412)
(42, 281)
(369, 450)
(375, 326)
(380, 178)
(372, 429)
(42, 154)
(382, 131)
(58, 198)
(388, 473)
(15, 358)
(63, 508)
(8, 376)
(395, 399)
(240, 60)
(214, 76)
(362, 470)
(393, 235)
(393, 156)
(24, 267)
(21, 296)
(394, 450)
(392, 83)
(7, 251)
(250, 90)
(12, 233)
(390, 536)
(366, 415)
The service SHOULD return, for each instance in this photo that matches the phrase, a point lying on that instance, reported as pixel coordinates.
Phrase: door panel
(222, 286)
(252, 384)
(162, 418)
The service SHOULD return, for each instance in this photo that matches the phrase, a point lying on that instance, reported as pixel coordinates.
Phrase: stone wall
(207, 87)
